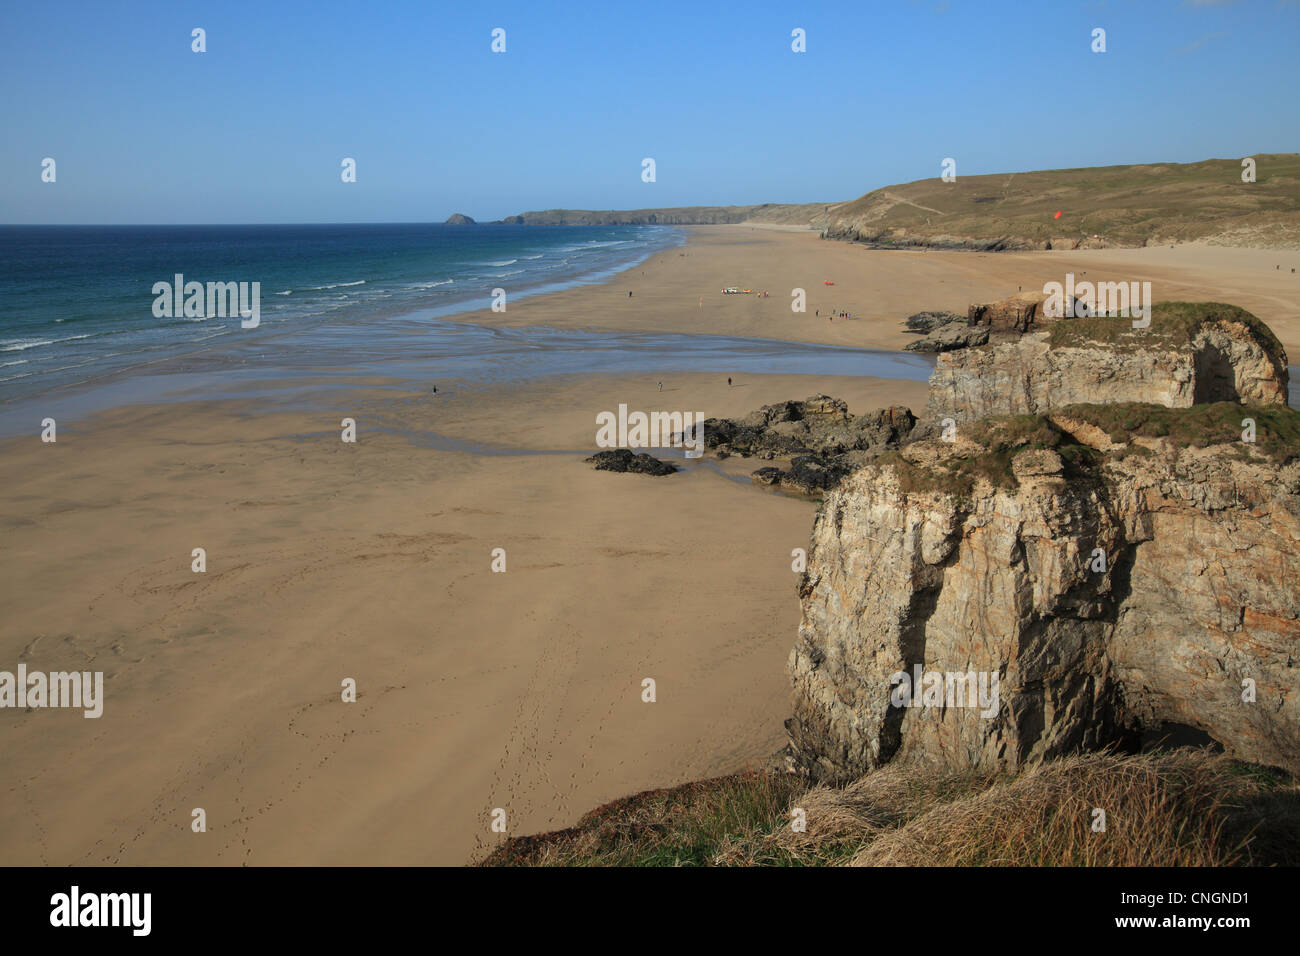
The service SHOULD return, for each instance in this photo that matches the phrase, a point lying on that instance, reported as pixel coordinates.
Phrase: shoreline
(881, 288)
(107, 345)
(675, 292)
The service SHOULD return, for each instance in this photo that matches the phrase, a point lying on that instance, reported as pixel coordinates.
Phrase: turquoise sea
(76, 302)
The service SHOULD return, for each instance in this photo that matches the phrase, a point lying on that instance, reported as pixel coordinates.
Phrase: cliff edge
(1191, 353)
(1055, 583)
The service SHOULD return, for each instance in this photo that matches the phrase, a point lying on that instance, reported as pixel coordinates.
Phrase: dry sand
(372, 561)
(680, 290)
(325, 560)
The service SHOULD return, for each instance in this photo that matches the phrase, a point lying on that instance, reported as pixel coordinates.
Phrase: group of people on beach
(833, 315)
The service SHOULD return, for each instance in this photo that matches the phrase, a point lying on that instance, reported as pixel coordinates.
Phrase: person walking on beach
(728, 381)
(661, 386)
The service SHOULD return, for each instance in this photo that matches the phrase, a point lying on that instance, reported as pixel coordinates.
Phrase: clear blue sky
(145, 131)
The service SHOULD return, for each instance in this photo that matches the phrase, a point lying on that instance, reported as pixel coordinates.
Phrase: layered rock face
(1111, 588)
(1018, 313)
(1192, 353)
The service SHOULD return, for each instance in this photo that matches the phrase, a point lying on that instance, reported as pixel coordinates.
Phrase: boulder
(624, 460)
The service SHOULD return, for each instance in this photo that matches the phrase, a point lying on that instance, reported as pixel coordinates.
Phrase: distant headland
(1252, 201)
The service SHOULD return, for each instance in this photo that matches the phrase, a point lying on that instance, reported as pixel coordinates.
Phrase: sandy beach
(679, 290)
(477, 690)
(372, 561)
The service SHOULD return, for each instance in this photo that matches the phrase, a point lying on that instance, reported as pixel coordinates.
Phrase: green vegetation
(1124, 205)
(986, 452)
(1179, 808)
(988, 446)
(1277, 429)
(1173, 325)
(690, 825)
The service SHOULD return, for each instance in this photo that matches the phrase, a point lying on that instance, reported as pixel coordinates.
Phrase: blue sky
(143, 130)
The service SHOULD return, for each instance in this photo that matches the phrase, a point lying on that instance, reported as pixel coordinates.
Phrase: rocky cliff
(1115, 568)
(1191, 353)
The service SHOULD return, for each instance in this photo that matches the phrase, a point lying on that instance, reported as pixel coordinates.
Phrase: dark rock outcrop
(458, 219)
(807, 474)
(625, 460)
(821, 439)
(929, 321)
(947, 338)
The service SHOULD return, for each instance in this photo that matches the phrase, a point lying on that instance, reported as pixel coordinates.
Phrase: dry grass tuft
(1179, 808)
(1176, 809)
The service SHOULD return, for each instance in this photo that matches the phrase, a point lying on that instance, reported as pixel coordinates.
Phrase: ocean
(76, 302)
(340, 304)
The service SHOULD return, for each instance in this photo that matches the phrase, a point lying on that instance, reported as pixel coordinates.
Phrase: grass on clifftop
(690, 825)
(1125, 205)
(1277, 429)
(1173, 324)
(990, 445)
(1181, 808)
(987, 450)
